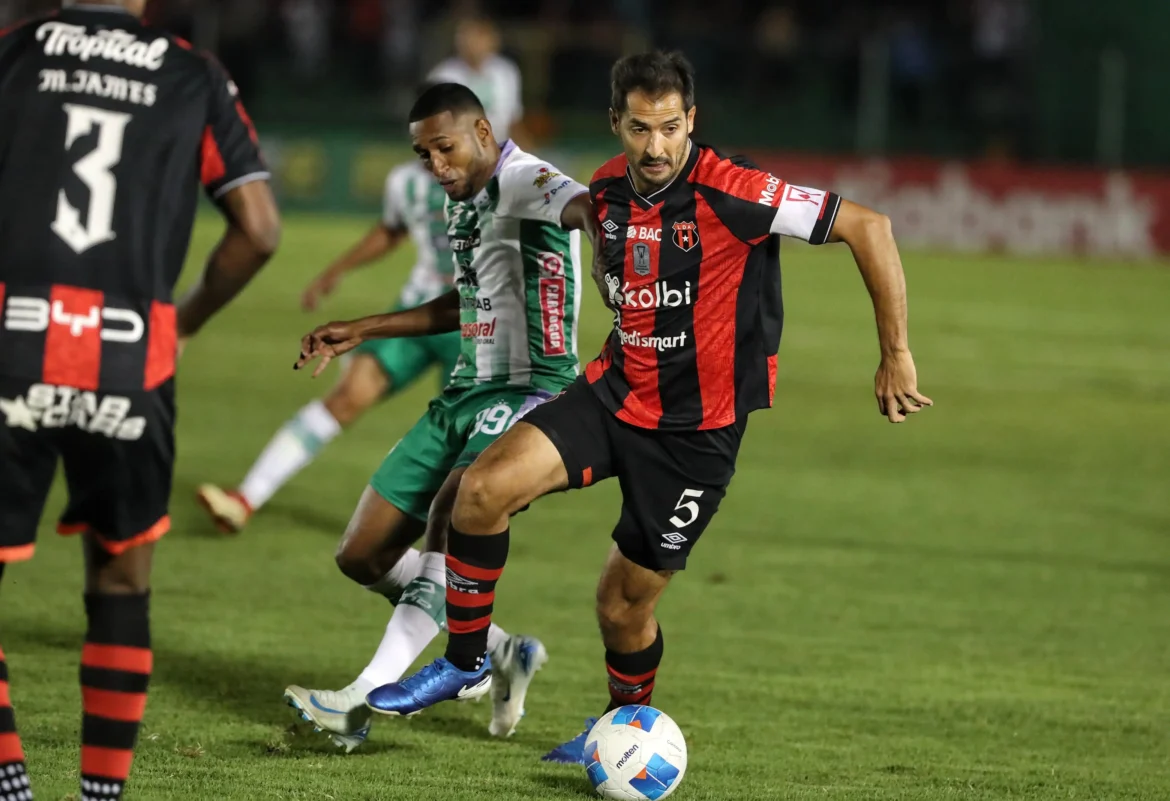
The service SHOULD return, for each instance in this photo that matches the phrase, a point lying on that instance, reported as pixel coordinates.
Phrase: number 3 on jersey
(95, 171)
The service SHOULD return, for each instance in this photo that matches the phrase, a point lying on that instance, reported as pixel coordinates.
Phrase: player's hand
(328, 342)
(180, 346)
(319, 287)
(896, 387)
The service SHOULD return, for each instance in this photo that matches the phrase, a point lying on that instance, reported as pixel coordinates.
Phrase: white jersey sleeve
(533, 189)
(394, 214)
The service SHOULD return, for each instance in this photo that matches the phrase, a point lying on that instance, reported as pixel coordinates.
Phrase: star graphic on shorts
(18, 414)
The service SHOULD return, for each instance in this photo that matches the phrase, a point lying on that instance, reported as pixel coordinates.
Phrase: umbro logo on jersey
(610, 226)
(686, 235)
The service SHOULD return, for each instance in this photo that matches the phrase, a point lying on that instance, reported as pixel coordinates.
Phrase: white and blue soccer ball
(634, 753)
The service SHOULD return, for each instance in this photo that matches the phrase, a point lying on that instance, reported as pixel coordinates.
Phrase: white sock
(496, 638)
(413, 625)
(392, 585)
(294, 446)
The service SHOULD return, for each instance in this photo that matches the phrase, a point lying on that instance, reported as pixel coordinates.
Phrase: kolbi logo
(658, 295)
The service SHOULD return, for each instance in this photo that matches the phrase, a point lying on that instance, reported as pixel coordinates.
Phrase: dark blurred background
(1031, 126)
(1055, 81)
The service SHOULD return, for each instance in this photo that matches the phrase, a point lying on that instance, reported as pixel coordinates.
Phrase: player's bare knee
(126, 573)
(347, 405)
(481, 502)
(355, 563)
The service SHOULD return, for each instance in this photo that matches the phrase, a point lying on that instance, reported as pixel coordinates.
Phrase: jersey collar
(654, 198)
(507, 150)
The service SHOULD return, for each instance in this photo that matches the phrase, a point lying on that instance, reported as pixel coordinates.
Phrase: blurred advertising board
(936, 205)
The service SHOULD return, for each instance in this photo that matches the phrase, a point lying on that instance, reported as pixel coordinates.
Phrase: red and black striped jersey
(106, 128)
(693, 274)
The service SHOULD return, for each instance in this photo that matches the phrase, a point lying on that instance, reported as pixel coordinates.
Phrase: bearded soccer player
(106, 126)
(513, 223)
(690, 264)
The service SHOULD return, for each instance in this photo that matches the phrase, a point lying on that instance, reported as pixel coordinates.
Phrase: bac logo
(642, 232)
(686, 235)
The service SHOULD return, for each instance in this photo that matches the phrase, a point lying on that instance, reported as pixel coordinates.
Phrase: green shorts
(404, 360)
(456, 427)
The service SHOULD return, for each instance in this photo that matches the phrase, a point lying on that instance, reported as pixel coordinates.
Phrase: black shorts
(672, 481)
(118, 450)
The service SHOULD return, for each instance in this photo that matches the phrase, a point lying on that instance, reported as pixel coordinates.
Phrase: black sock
(631, 676)
(474, 564)
(115, 671)
(12, 771)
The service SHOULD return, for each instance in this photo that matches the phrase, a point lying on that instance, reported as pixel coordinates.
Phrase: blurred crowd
(960, 64)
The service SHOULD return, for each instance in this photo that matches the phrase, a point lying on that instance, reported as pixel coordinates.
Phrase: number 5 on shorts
(691, 507)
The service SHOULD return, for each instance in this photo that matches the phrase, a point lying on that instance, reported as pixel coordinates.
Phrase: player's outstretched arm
(252, 236)
(377, 242)
(333, 339)
(579, 215)
(871, 238)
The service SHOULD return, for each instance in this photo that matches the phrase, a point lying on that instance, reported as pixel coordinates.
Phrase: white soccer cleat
(513, 666)
(227, 508)
(343, 716)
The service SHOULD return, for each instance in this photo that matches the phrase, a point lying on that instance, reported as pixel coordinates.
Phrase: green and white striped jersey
(519, 277)
(414, 202)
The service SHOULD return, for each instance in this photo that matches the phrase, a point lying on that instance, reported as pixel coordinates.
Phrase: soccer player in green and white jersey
(412, 208)
(513, 223)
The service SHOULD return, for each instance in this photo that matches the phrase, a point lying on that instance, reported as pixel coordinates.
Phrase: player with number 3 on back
(106, 125)
(689, 265)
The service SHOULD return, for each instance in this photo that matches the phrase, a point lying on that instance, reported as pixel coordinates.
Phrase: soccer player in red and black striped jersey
(688, 260)
(106, 127)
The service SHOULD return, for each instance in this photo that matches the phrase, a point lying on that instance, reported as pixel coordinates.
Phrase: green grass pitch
(974, 605)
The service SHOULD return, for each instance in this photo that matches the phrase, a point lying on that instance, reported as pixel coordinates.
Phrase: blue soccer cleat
(572, 752)
(438, 681)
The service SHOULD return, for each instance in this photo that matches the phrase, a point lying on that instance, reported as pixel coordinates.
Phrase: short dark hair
(656, 73)
(439, 97)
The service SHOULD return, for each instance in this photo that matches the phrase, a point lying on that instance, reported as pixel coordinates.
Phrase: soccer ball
(635, 752)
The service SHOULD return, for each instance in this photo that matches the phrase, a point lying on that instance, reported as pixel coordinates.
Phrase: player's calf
(116, 664)
(627, 596)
